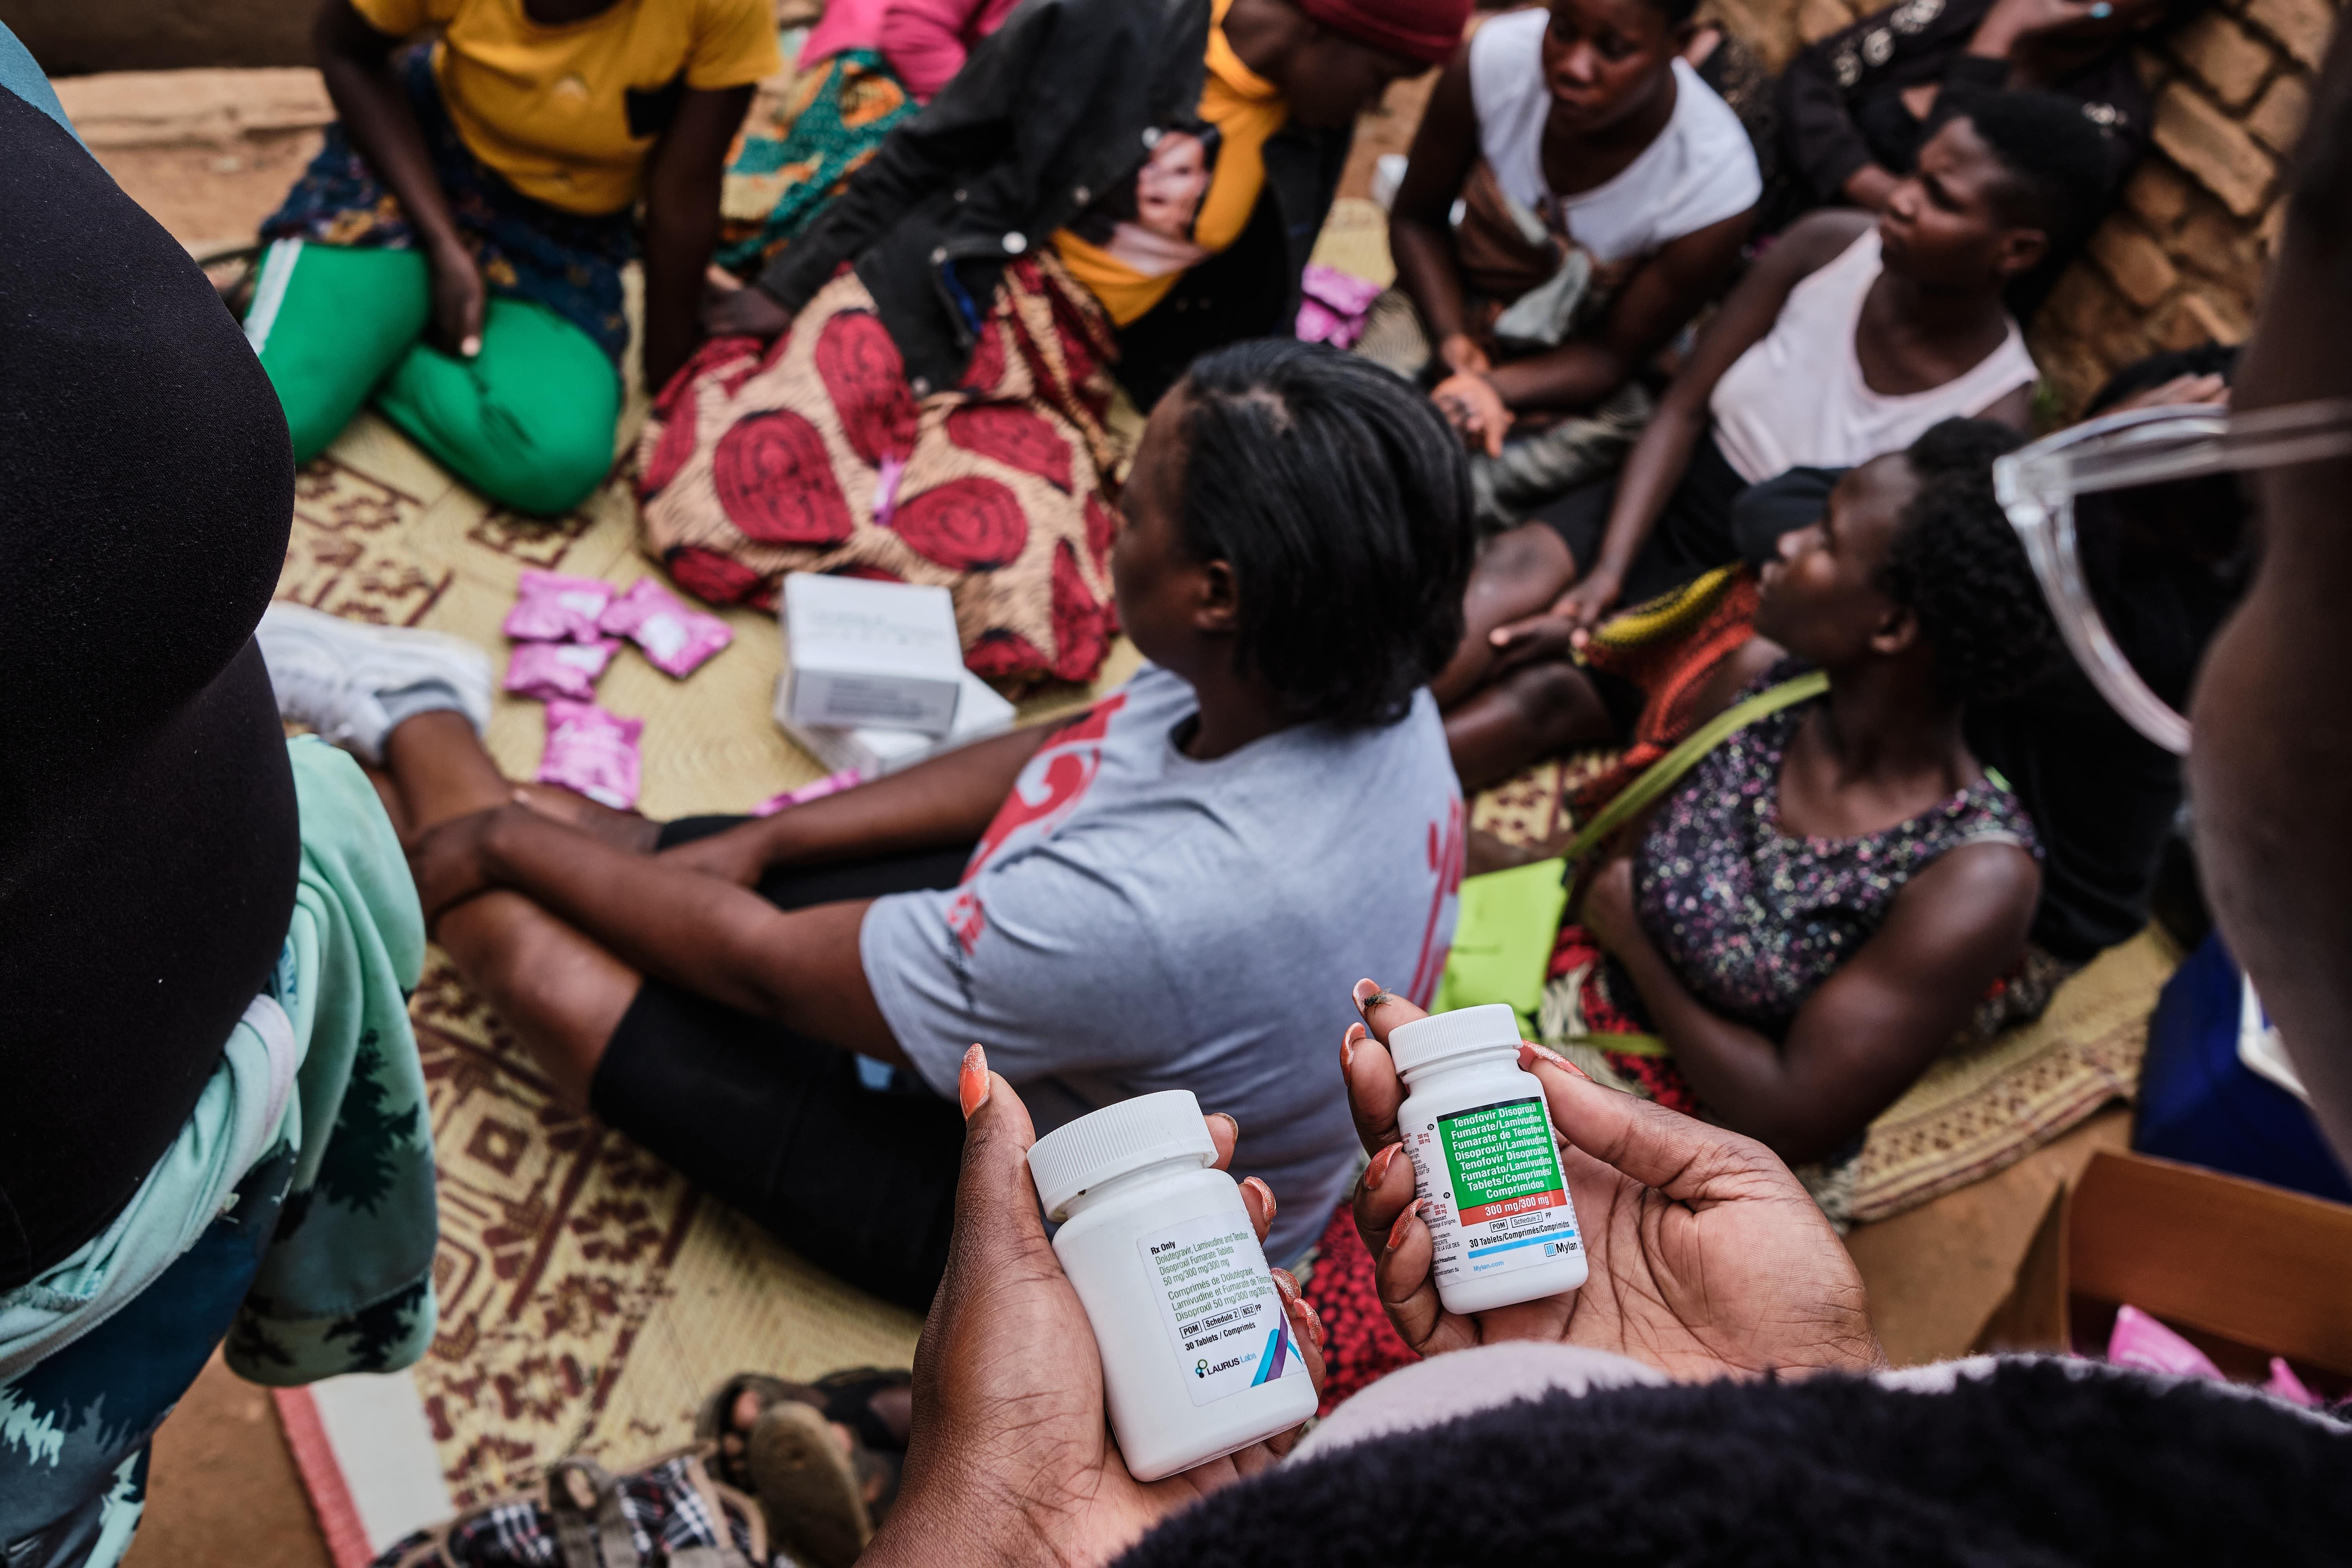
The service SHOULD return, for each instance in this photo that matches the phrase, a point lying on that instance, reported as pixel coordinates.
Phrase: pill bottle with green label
(1198, 1358)
(1483, 1161)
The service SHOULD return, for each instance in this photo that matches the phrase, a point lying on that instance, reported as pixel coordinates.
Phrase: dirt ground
(223, 1491)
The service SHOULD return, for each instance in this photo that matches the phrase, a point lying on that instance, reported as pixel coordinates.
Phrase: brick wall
(2181, 260)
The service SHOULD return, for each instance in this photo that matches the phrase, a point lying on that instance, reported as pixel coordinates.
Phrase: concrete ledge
(193, 108)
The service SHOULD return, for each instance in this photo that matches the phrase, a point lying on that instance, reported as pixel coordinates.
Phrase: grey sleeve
(1049, 965)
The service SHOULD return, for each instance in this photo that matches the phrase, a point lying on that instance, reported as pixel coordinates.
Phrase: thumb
(996, 1214)
(1690, 1161)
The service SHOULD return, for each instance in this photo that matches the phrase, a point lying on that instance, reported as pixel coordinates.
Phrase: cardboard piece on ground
(2244, 1271)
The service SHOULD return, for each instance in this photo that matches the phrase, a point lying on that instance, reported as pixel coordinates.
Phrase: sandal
(828, 1497)
(731, 1446)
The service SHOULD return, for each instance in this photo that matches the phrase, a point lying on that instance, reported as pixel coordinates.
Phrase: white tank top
(1797, 399)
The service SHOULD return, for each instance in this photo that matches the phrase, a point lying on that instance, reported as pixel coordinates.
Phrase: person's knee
(529, 421)
(555, 471)
(326, 322)
(1553, 698)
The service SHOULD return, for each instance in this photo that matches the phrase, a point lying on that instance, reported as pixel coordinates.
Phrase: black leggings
(1692, 536)
(856, 1179)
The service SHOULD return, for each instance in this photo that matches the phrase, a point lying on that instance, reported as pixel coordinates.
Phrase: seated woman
(1856, 108)
(1104, 186)
(1605, 191)
(1851, 337)
(454, 250)
(1268, 802)
(1813, 913)
(866, 67)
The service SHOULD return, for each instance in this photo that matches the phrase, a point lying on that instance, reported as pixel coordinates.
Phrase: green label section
(1502, 1160)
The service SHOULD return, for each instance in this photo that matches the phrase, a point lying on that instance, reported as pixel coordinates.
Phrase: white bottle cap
(1116, 1139)
(1417, 1044)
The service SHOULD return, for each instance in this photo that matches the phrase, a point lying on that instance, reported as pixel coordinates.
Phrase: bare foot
(620, 829)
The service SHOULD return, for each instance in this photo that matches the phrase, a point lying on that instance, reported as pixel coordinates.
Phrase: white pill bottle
(1198, 1358)
(1484, 1162)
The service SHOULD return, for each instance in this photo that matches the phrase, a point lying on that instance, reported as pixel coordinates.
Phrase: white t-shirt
(1135, 921)
(1797, 398)
(1700, 170)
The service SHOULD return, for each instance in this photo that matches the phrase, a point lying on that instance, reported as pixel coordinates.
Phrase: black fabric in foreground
(2042, 1463)
(148, 839)
(859, 1181)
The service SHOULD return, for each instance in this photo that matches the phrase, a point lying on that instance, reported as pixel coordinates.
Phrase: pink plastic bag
(2140, 1340)
(1332, 305)
(549, 671)
(675, 639)
(552, 607)
(593, 752)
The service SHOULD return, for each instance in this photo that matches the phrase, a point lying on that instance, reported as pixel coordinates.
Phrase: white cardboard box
(873, 753)
(862, 653)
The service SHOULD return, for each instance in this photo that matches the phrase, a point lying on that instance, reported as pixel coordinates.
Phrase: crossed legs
(560, 992)
(1499, 719)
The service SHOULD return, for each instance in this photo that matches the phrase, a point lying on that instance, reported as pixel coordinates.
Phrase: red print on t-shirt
(1070, 761)
(1446, 847)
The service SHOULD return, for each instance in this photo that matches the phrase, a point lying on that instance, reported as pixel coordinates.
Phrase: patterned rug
(589, 1297)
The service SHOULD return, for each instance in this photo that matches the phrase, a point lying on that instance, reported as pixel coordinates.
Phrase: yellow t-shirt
(548, 107)
(1132, 267)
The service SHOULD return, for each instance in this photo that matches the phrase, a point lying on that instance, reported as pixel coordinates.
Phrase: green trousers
(528, 421)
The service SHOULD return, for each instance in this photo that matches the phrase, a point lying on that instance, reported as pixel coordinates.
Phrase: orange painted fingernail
(1364, 991)
(1396, 1231)
(1264, 1195)
(1553, 1057)
(1285, 1282)
(971, 1083)
(1313, 1321)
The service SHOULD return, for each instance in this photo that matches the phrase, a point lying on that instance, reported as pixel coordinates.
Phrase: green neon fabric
(528, 422)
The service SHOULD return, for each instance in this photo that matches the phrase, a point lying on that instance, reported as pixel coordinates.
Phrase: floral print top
(1753, 919)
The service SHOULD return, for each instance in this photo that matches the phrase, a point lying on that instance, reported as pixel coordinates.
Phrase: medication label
(1495, 1199)
(1224, 1315)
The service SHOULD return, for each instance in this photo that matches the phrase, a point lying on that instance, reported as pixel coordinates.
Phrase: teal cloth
(21, 74)
(295, 1212)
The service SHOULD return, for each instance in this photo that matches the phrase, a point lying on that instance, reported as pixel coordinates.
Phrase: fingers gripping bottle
(1198, 1358)
(1484, 1162)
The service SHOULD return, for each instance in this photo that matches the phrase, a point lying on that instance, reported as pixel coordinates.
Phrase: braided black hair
(1342, 504)
(1956, 564)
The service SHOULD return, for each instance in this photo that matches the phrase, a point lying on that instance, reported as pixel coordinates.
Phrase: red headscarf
(1425, 30)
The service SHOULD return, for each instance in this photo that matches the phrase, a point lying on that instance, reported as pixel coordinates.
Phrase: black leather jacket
(1048, 112)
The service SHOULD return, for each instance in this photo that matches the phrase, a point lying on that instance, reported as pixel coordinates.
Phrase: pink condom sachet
(553, 671)
(676, 639)
(2139, 1340)
(593, 752)
(552, 607)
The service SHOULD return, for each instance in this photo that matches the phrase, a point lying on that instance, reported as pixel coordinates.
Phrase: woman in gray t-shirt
(1132, 902)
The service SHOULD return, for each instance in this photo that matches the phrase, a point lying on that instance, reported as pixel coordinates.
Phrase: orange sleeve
(734, 44)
